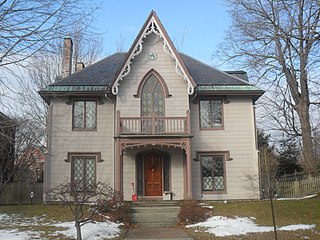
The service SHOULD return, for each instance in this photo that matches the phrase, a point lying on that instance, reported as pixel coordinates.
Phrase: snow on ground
(223, 226)
(306, 197)
(90, 231)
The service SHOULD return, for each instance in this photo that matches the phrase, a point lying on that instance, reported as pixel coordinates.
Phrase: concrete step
(155, 209)
(155, 203)
(155, 214)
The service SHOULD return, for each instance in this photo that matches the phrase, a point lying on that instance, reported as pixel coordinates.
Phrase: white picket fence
(298, 188)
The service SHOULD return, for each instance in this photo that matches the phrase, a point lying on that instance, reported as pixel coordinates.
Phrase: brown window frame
(84, 124)
(222, 114)
(71, 158)
(226, 156)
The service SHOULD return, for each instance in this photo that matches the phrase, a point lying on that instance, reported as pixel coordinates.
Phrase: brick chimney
(67, 57)
(79, 66)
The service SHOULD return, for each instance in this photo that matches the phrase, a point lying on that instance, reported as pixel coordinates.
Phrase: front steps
(155, 213)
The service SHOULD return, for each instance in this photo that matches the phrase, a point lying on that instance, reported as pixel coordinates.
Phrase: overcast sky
(203, 21)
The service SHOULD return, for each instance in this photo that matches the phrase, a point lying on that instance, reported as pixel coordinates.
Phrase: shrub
(191, 212)
(116, 209)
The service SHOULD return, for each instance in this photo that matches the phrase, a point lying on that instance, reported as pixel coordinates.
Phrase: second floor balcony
(153, 125)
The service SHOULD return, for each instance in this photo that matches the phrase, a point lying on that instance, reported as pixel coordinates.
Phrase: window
(84, 115)
(152, 101)
(83, 173)
(211, 114)
(213, 172)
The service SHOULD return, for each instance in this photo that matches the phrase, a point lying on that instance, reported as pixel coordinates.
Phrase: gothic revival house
(153, 122)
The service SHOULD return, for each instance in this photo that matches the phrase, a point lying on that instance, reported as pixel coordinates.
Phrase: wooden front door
(153, 174)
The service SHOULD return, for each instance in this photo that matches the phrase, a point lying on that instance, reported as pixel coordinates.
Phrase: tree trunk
(308, 156)
(78, 227)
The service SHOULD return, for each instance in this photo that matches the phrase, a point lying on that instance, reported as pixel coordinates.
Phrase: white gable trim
(152, 27)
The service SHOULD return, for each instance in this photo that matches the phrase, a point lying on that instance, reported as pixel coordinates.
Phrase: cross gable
(153, 25)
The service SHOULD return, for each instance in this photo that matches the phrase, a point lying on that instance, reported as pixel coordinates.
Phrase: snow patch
(223, 226)
(301, 198)
(90, 231)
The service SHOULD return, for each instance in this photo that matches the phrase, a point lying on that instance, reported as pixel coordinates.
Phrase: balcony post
(118, 124)
(188, 193)
(188, 122)
(117, 167)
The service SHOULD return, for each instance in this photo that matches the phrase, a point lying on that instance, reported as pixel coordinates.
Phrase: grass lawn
(289, 212)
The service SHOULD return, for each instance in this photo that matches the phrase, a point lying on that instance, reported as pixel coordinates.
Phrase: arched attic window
(152, 92)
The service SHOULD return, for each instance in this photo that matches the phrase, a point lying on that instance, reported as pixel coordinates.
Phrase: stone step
(155, 213)
(155, 203)
(156, 209)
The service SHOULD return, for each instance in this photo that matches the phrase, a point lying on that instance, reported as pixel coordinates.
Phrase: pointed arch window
(152, 102)
(152, 97)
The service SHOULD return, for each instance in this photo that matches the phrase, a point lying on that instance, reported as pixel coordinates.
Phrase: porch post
(117, 167)
(189, 170)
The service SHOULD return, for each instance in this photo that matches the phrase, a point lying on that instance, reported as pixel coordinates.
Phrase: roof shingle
(102, 73)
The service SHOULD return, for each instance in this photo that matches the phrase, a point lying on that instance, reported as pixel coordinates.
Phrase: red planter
(134, 197)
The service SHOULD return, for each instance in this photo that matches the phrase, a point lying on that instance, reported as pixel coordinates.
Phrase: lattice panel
(78, 176)
(218, 183)
(78, 114)
(216, 113)
(90, 114)
(205, 113)
(90, 173)
(207, 184)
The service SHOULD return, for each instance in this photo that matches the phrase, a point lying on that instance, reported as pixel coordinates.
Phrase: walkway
(157, 233)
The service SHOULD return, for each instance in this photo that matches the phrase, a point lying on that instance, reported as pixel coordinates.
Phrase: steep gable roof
(153, 25)
(103, 73)
(104, 76)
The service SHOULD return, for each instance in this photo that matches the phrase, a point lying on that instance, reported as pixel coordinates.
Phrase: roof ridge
(216, 69)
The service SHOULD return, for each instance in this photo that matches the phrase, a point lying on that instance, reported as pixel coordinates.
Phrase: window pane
(90, 114)
(205, 113)
(158, 100)
(207, 183)
(213, 173)
(218, 173)
(216, 113)
(90, 174)
(78, 176)
(210, 113)
(78, 114)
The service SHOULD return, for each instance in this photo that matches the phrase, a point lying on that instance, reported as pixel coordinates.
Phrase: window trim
(226, 156)
(163, 84)
(71, 156)
(222, 113)
(96, 110)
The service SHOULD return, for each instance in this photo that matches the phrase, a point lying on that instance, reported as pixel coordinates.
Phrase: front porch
(153, 157)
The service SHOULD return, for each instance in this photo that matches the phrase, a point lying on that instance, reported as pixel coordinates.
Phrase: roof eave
(55, 91)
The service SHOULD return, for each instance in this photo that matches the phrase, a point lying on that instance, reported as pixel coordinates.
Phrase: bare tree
(77, 199)
(120, 43)
(17, 136)
(279, 41)
(28, 26)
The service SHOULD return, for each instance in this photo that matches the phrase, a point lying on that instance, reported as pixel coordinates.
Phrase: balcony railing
(153, 125)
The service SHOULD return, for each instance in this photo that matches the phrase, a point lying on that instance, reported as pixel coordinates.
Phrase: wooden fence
(19, 193)
(298, 188)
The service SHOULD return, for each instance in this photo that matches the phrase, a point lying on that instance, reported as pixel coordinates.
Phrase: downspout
(47, 163)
